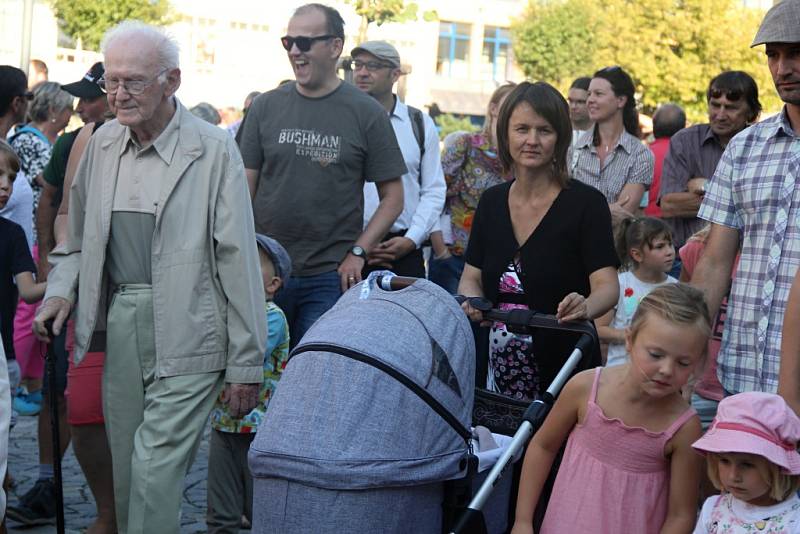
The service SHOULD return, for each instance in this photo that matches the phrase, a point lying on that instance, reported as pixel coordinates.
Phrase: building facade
(229, 49)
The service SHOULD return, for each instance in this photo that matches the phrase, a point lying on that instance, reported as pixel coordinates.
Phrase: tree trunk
(362, 29)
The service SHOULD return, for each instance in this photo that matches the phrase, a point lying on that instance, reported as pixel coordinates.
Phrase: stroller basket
(497, 412)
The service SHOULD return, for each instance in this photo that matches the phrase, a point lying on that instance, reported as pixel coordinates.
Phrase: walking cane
(54, 427)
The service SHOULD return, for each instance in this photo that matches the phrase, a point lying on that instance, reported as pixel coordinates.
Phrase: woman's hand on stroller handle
(475, 307)
(573, 308)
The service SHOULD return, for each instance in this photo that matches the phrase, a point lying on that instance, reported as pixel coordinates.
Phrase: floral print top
(471, 166)
(34, 152)
(277, 354)
(725, 514)
(512, 367)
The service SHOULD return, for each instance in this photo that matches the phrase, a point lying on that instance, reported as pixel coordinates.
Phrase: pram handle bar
(471, 520)
(518, 321)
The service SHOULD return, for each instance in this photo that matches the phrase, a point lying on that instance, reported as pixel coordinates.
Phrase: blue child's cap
(277, 254)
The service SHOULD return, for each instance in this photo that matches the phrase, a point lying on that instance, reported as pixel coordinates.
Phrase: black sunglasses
(28, 95)
(303, 43)
(733, 95)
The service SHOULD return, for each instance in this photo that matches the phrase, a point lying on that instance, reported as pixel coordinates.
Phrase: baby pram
(368, 428)
(371, 418)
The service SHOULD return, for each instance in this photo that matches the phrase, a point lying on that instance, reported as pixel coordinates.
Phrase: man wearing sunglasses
(753, 199)
(308, 148)
(694, 152)
(376, 68)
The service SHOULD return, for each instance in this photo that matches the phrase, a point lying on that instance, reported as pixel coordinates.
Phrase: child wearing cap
(230, 486)
(751, 449)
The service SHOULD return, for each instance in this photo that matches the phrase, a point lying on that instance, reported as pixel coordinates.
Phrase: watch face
(358, 251)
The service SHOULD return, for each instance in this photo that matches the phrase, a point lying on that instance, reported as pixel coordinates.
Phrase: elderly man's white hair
(166, 46)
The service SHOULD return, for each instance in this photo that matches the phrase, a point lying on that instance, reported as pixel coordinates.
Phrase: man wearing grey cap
(753, 197)
(308, 147)
(376, 68)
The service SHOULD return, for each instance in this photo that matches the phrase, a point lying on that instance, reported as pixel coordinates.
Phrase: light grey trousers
(153, 426)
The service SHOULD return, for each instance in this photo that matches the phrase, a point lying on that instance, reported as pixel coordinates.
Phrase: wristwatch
(358, 251)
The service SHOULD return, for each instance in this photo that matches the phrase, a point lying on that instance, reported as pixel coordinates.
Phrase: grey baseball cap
(277, 254)
(781, 24)
(381, 50)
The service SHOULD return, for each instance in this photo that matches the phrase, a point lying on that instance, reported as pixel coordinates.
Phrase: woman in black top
(542, 241)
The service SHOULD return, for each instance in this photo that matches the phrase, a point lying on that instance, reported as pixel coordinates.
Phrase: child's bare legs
(91, 449)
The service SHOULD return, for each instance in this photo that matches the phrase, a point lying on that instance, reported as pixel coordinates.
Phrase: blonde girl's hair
(781, 485)
(494, 100)
(10, 158)
(702, 234)
(677, 303)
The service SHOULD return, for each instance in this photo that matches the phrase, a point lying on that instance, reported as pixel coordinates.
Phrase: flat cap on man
(381, 50)
(781, 24)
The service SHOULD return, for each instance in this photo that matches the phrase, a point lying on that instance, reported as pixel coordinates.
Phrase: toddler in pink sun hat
(751, 451)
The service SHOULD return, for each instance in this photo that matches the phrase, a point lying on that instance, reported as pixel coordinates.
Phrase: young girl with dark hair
(645, 250)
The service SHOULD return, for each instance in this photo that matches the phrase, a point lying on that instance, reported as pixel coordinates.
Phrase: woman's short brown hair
(547, 102)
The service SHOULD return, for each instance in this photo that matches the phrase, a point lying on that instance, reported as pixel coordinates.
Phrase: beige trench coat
(208, 295)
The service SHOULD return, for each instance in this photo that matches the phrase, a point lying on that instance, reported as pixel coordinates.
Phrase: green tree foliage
(383, 11)
(88, 20)
(672, 48)
(553, 40)
(449, 123)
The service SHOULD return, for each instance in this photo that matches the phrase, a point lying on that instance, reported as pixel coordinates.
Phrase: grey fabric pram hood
(338, 423)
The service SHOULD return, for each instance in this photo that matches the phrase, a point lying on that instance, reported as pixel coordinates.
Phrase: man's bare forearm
(712, 274)
(45, 219)
(683, 205)
(389, 209)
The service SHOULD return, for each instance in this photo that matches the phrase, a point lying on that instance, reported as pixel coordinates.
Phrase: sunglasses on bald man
(303, 43)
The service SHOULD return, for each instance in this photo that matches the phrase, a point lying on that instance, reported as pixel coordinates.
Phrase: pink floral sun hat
(755, 423)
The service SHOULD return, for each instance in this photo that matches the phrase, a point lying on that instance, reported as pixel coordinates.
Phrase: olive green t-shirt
(313, 156)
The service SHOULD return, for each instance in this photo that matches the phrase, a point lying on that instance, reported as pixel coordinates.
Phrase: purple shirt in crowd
(693, 152)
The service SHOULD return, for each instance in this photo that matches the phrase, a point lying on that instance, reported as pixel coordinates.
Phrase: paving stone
(79, 507)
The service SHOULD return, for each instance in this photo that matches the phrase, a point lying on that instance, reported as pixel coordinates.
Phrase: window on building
(495, 57)
(453, 56)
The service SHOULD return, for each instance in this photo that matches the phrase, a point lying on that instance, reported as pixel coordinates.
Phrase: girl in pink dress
(629, 465)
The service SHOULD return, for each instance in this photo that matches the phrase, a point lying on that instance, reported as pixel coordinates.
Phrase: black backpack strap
(418, 126)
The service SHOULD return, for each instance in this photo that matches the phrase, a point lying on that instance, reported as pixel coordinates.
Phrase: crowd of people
(172, 264)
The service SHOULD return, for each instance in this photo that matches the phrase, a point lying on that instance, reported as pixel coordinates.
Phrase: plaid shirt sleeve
(718, 205)
(641, 170)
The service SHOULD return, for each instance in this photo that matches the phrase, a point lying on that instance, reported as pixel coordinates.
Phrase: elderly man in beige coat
(161, 247)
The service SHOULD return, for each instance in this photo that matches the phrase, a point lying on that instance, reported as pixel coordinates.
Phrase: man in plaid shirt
(754, 199)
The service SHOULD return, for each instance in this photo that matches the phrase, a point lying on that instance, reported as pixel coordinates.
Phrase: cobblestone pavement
(79, 510)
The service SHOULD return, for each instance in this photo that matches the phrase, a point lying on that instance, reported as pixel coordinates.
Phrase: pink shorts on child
(84, 385)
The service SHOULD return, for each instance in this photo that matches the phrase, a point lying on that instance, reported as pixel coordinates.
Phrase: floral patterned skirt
(512, 365)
